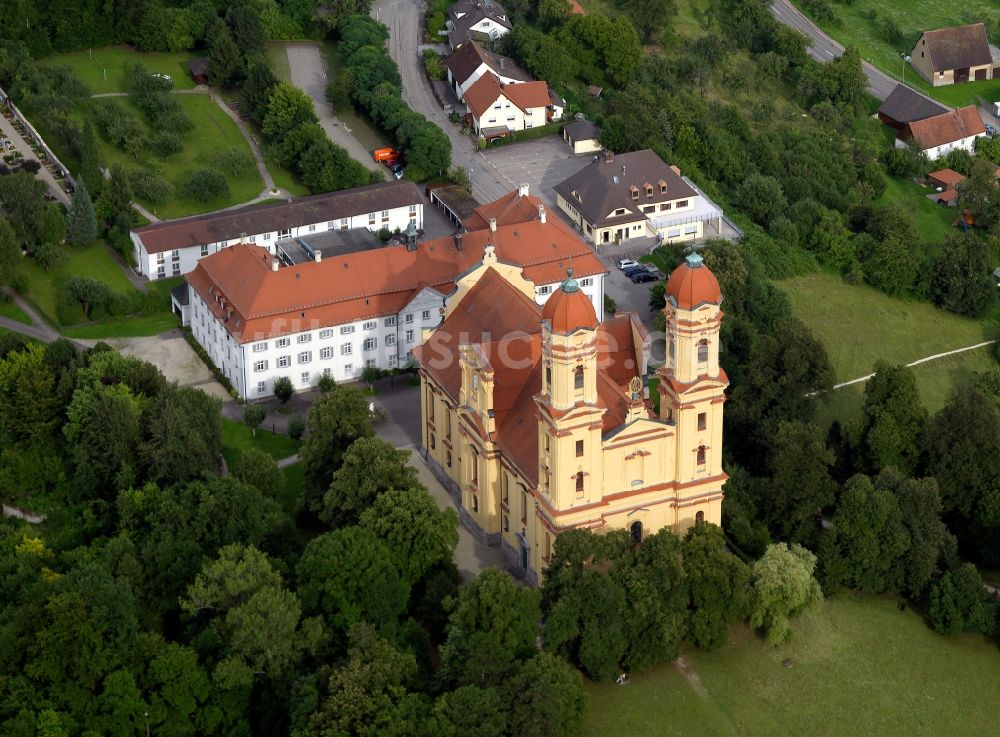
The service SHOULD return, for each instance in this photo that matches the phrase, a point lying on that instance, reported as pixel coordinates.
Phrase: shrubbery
(95, 297)
(205, 185)
(150, 186)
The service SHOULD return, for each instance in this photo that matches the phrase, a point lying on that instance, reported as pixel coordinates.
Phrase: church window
(506, 523)
(703, 350)
(636, 531)
(432, 442)
(548, 379)
(699, 518)
(578, 377)
(524, 506)
(475, 466)
(430, 404)
(475, 502)
(548, 546)
(702, 421)
(579, 483)
(701, 455)
(504, 489)
(447, 458)
(579, 448)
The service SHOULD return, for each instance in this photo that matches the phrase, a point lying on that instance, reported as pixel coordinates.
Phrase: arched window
(448, 458)
(579, 483)
(506, 523)
(548, 545)
(475, 466)
(548, 380)
(475, 502)
(432, 442)
(699, 518)
(578, 377)
(703, 350)
(701, 455)
(636, 531)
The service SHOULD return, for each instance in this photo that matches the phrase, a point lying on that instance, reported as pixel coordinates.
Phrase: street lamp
(906, 60)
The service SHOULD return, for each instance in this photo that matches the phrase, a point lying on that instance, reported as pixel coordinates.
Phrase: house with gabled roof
(494, 109)
(471, 61)
(938, 135)
(473, 20)
(905, 105)
(954, 55)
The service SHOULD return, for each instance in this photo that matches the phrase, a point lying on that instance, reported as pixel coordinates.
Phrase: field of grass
(859, 667)
(855, 27)
(277, 59)
(237, 437)
(103, 70)
(859, 324)
(95, 262)
(933, 221)
(11, 311)
(213, 130)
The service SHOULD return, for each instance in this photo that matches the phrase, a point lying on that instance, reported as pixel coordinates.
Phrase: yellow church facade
(538, 420)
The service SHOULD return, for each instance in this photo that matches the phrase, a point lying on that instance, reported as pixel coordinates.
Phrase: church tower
(569, 430)
(692, 389)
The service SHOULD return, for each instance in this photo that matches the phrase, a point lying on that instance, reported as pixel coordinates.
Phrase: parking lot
(542, 164)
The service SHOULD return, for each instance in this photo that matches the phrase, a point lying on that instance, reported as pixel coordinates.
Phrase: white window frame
(260, 366)
(305, 357)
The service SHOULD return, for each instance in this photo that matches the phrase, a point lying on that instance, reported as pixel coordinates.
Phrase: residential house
(474, 20)
(937, 135)
(946, 182)
(259, 318)
(538, 421)
(905, 105)
(174, 247)
(472, 61)
(954, 55)
(494, 109)
(635, 195)
(583, 136)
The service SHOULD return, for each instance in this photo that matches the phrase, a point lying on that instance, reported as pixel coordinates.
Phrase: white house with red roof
(259, 318)
(494, 109)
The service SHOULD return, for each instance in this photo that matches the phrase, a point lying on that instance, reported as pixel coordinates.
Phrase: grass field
(859, 667)
(277, 58)
(856, 28)
(213, 130)
(859, 324)
(103, 70)
(933, 221)
(11, 311)
(237, 437)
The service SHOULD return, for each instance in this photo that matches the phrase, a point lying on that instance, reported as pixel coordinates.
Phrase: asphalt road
(405, 21)
(823, 48)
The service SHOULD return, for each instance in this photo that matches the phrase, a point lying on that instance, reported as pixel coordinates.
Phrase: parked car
(627, 263)
(990, 128)
(642, 277)
(637, 269)
(397, 171)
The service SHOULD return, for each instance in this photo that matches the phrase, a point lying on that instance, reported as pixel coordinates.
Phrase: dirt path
(925, 359)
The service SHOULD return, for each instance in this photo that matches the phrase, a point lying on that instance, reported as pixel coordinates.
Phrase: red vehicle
(384, 154)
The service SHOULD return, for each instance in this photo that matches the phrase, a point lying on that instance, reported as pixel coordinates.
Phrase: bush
(326, 383)
(434, 65)
(886, 28)
(95, 297)
(219, 376)
(49, 255)
(205, 185)
(232, 161)
(958, 603)
(120, 126)
(166, 143)
(150, 186)
(283, 389)
(610, 306)
(296, 427)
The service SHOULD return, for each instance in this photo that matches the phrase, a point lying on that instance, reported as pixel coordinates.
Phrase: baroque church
(538, 418)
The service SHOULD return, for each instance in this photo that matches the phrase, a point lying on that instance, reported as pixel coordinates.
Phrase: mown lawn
(855, 27)
(94, 261)
(859, 667)
(933, 221)
(859, 324)
(237, 437)
(11, 311)
(213, 130)
(103, 70)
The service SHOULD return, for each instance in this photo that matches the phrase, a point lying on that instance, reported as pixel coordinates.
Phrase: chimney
(608, 157)
(274, 264)
(541, 214)
(493, 225)
(522, 189)
(319, 256)
(458, 241)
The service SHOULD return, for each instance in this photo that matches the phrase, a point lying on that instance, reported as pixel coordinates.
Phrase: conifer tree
(81, 222)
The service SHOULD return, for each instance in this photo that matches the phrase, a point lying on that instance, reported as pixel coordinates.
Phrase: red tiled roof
(487, 90)
(946, 177)
(947, 127)
(509, 209)
(569, 311)
(365, 284)
(492, 308)
(692, 286)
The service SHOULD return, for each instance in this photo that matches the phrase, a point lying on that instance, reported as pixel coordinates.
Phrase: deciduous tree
(893, 418)
(782, 587)
(370, 467)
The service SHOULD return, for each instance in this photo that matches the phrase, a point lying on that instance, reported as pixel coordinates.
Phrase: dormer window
(649, 189)
(663, 187)
(634, 191)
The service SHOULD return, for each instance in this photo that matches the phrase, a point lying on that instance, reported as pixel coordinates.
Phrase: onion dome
(693, 284)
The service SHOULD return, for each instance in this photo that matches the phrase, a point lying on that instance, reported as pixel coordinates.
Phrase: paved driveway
(542, 164)
(309, 74)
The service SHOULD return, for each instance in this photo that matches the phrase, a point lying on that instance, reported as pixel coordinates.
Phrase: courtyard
(541, 164)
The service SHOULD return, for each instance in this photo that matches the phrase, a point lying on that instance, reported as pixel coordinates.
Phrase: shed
(945, 179)
(583, 136)
(199, 69)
